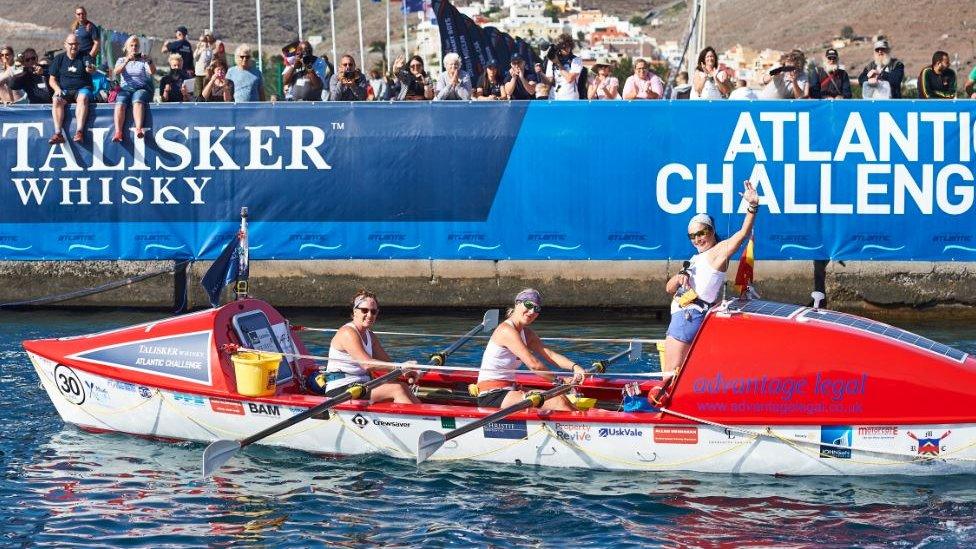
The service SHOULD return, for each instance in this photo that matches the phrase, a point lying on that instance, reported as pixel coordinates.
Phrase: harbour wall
(918, 287)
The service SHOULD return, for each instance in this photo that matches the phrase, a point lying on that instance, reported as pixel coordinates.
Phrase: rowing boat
(814, 392)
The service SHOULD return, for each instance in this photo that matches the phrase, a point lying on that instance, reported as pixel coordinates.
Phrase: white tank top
(343, 363)
(498, 363)
(706, 281)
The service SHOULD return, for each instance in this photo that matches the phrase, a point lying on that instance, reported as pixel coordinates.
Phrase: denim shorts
(71, 96)
(685, 324)
(140, 95)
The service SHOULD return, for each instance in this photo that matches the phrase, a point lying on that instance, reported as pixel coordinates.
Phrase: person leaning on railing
(411, 82)
(937, 81)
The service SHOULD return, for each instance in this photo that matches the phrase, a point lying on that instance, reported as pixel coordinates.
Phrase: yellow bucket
(660, 354)
(256, 373)
(582, 403)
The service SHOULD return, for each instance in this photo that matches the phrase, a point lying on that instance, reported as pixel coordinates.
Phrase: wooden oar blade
(428, 443)
(217, 454)
(490, 321)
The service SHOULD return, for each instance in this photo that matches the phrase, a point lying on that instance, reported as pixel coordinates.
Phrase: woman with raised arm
(352, 348)
(697, 286)
(513, 343)
(135, 70)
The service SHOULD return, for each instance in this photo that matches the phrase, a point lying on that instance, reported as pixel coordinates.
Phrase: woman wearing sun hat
(512, 344)
(697, 286)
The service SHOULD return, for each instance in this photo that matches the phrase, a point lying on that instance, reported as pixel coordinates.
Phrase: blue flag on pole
(224, 270)
(410, 6)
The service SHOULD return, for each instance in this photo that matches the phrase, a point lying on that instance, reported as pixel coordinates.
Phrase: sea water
(65, 487)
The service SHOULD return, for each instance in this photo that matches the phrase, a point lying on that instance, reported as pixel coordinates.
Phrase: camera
(784, 68)
(548, 50)
(349, 74)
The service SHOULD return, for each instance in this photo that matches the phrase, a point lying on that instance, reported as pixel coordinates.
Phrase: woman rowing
(697, 286)
(353, 348)
(513, 343)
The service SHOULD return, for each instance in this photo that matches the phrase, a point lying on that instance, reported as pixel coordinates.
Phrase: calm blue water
(64, 487)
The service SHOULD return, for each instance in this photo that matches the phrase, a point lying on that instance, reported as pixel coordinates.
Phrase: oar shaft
(530, 401)
(438, 358)
(348, 395)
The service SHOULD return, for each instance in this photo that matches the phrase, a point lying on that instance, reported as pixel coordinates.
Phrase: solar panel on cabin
(768, 308)
(884, 330)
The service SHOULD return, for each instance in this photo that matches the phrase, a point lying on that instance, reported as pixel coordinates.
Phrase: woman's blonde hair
(132, 39)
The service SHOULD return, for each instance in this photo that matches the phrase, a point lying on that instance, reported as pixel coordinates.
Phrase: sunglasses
(880, 50)
(367, 310)
(413, 65)
(532, 307)
(243, 56)
(696, 234)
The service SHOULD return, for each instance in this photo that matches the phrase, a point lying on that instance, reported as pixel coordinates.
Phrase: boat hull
(596, 439)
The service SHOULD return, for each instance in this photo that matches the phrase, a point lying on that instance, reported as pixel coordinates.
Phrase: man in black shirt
(830, 81)
(70, 82)
(181, 46)
(31, 79)
(937, 81)
(172, 87)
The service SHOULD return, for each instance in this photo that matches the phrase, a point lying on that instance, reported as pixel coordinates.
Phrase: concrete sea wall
(924, 287)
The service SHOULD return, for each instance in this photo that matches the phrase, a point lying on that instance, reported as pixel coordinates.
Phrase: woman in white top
(513, 343)
(702, 279)
(709, 82)
(353, 346)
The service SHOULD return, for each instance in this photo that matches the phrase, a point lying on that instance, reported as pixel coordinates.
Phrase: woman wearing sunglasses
(353, 346)
(513, 343)
(697, 286)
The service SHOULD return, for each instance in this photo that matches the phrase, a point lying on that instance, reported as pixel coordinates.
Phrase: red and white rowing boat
(819, 393)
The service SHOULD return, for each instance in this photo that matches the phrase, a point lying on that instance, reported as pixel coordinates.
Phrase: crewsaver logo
(360, 421)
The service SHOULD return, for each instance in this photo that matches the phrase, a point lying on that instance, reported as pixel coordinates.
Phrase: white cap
(702, 218)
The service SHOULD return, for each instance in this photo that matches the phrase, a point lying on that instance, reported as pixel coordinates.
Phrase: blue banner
(886, 180)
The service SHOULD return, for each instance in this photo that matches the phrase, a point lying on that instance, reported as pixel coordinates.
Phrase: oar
(488, 323)
(633, 353)
(220, 451)
(431, 441)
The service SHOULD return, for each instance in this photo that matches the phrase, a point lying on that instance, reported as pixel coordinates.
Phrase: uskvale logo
(620, 432)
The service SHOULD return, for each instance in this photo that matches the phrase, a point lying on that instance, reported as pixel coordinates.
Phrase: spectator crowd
(202, 73)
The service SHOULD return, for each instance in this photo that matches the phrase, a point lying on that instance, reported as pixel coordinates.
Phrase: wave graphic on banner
(74, 247)
(958, 247)
(799, 247)
(163, 247)
(15, 248)
(317, 247)
(866, 247)
(558, 247)
(637, 247)
(397, 247)
(478, 246)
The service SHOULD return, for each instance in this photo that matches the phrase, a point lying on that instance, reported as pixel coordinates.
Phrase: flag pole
(362, 50)
(260, 64)
(299, 19)
(386, 69)
(211, 17)
(406, 47)
(332, 21)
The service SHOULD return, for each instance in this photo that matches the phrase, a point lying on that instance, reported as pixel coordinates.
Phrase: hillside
(916, 29)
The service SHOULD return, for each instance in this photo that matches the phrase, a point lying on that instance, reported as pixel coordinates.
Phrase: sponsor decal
(360, 421)
(226, 406)
(928, 444)
(836, 435)
(878, 432)
(512, 430)
(263, 409)
(190, 400)
(185, 357)
(573, 432)
(98, 393)
(69, 385)
(385, 423)
(145, 392)
(122, 386)
(605, 432)
(676, 435)
(448, 423)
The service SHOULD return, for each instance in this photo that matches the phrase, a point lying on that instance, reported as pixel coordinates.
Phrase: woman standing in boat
(696, 287)
(513, 343)
(353, 346)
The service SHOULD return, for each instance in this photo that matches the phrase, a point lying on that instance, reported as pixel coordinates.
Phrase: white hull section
(102, 403)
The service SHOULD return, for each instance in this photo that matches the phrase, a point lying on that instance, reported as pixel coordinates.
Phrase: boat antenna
(240, 288)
